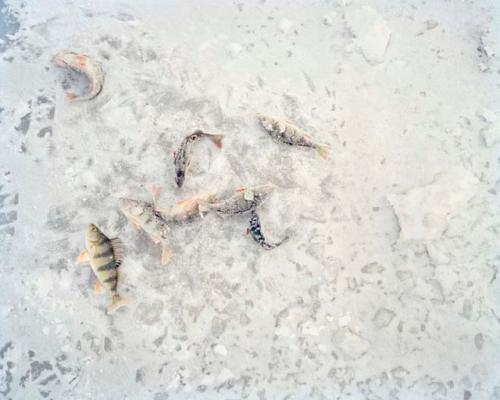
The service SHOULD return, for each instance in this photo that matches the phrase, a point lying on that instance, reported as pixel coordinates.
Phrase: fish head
(265, 120)
(262, 191)
(68, 59)
(94, 234)
(130, 207)
(179, 177)
(197, 134)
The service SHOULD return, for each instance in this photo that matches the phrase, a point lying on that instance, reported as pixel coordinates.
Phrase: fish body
(244, 200)
(143, 215)
(287, 132)
(182, 156)
(186, 210)
(84, 65)
(105, 256)
(255, 230)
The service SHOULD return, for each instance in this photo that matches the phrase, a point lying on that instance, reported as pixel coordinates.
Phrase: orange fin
(241, 189)
(71, 96)
(98, 288)
(324, 151)
(83, 257)
(217, 140)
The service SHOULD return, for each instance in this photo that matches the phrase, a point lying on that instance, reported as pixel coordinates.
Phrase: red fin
(217, 140)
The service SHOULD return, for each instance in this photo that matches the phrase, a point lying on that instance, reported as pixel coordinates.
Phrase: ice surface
(388, 286)
(370, 31)
(423, 212)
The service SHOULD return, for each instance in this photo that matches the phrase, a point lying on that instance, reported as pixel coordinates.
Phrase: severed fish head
(70, 59)
(94, 234)
(131, 208)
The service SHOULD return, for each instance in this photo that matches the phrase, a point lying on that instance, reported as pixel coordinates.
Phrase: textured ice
(424, 212)
(371, 33)
(388, 286)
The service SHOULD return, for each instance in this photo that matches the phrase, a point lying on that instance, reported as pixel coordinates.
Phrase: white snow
(387, 287)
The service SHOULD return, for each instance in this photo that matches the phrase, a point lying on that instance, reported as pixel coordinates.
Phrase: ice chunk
(373, 268)
(491, 134)
(424, 211)
(383, 317)
(371, 33)
(352, 345)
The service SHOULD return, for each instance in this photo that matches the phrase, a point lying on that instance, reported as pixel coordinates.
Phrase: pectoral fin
(83, 257)
(98, 288)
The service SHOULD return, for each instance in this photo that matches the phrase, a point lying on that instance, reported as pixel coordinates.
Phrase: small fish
(143, 215)
(182, 156)
(85, 65)
(184, 210)
(287, 132)
(244, 200)
(256, 231)
(105, 256)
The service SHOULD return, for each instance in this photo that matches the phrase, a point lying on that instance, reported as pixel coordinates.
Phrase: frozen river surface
(387, 288)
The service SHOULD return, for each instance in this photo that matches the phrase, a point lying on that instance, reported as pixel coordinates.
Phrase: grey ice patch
(9, 25)
(44, 131)
(373, 268)
(218, 327)
(479, 341)
(383, 317)
(24, 124)
(430, 24)
(8, 217)
(485, 51)
(5, 348)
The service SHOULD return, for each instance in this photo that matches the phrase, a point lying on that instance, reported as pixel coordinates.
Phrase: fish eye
(94, 229)
(194, 137)
(180, 174)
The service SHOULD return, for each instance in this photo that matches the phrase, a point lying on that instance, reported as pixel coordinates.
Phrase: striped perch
(105, 256)
(256, 231)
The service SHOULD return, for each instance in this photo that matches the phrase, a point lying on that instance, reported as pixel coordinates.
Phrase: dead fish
(182, 156)
(143, 215)
(256, 231)
(105, 256)
(241, 202)
(85, 65)
(184, 210)
(287, 132)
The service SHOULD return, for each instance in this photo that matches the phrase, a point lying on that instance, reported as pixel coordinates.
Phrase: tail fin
(118, 302)
(324, 151)
(72, 97)
(166, 254)
(217, 140)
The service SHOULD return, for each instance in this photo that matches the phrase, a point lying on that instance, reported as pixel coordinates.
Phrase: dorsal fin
(118, 249)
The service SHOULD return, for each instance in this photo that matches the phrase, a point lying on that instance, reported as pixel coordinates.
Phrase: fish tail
(217, 140)
(324, 151)
(118, 302)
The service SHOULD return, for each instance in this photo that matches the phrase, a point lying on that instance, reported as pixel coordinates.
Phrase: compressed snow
(387, 287)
